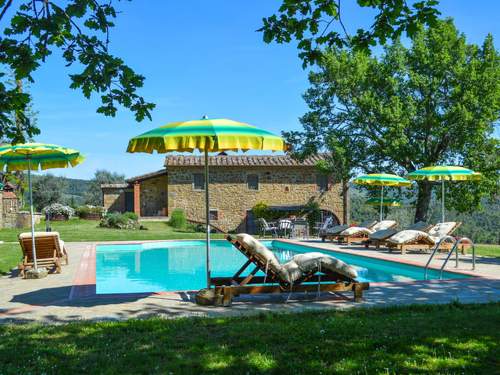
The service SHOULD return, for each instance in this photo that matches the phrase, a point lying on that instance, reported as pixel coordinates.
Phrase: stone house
(237, 183)
(9, 208)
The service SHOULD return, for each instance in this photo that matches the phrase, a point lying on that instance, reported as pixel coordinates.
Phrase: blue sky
(199, 57)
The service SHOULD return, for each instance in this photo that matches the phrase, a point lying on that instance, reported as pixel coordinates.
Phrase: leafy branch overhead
(318, 24)
(80, 30)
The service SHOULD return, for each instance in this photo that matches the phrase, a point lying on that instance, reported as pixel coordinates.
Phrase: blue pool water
(180, 265)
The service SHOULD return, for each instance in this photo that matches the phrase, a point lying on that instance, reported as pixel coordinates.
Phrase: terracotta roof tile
(240, 160)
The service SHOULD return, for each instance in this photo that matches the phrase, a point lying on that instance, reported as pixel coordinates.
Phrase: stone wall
(114, 199)
(154, 196)
(230, 196)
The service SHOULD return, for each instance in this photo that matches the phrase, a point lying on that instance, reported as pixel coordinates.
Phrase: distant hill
(75, 192)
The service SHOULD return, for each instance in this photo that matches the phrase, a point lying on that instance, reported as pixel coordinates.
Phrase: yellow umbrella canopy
(381, 179)
(34, 156)
(443, 173)
(206, 135)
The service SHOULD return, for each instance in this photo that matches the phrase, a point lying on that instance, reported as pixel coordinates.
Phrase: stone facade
(9, 209)
(114, 197)
(282, 182)
(153, 200)
(231, 198)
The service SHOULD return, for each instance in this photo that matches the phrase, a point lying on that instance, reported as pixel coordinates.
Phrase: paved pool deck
(70, 296)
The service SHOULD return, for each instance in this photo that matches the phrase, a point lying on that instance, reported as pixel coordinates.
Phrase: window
(253, 182)
(322, 182)
(213, 214)
(198, 181)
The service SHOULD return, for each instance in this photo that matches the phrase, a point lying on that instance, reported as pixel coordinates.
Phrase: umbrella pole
(32, 215)
(381, 201)
(442, 200)
(207, 216)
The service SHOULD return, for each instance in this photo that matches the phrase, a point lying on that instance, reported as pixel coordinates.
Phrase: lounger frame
(228, 287)
(49, 253)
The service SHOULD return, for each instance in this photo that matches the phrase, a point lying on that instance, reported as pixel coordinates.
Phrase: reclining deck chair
(380, 237)
(322, 273)
(334, 232)
(50, 250)
(360, 234)
(423, 240)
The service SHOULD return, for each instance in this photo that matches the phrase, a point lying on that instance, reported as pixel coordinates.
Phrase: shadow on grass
(418, 339)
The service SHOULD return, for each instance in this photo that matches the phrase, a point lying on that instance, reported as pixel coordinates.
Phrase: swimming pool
(180, 265)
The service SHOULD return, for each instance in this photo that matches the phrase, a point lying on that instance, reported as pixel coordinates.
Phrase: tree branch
(7, 6)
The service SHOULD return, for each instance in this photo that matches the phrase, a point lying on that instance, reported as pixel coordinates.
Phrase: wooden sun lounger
(336, 235)
(424, 243)
(385, 234)
(228, 287)
(49, 251)
(360, 236)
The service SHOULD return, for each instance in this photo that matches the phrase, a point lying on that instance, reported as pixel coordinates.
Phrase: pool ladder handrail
(434, 251)
(455, 249)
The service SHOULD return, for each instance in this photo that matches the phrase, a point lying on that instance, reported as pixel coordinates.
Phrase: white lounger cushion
(384, 224)
(409, 236)
(437, 232)
(313, 262)
(299, 264)
(442, 229)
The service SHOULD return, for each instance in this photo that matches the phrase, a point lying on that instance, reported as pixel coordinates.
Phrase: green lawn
(451, 339)
(488, 250)
(76, 230)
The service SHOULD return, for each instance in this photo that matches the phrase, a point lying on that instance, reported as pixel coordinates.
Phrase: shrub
(58, 210)
(178, 219)
(261, 210)
(88, 211)
(116, 220)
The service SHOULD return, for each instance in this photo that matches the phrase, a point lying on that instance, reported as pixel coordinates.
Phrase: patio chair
(50, 250)
(380, 237)
(321, 272)
(423, 240)
(360, 234)
(266, 227)
(284, 227)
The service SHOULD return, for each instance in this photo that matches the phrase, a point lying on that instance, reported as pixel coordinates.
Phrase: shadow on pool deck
(51, 305)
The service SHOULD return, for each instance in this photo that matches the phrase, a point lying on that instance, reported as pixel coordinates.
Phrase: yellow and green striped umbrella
(443, 173)
(34, 156)
(213, 135)
(206, 135)
(381, 179)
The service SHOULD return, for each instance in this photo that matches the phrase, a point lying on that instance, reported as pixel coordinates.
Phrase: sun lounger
(380, 237)
(321, 272)
(421, 240)
(50, 250)
(360, 234)
(334, 232)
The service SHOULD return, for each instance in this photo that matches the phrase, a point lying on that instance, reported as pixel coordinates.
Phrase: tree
(318, 24)
(80, 30)
(436, 102)
(48, 189)
(93, 196)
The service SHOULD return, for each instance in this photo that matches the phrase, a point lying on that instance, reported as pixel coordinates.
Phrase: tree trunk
(423, 200)
(345, 202)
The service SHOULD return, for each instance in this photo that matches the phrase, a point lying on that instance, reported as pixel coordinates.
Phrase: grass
(487, 250)
(416, 339)
(76, 230)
